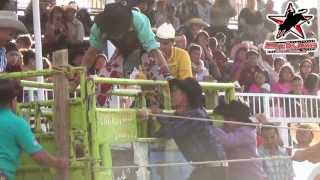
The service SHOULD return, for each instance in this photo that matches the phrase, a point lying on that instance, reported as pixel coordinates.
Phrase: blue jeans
(173, 172)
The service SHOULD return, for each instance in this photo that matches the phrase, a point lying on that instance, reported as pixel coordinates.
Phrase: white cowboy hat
(166, 31)
(9, 19)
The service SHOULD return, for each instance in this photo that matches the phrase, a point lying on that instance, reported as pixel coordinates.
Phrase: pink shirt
(281, 88)
(255, 89)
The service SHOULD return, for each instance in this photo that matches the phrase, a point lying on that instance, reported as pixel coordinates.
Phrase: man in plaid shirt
(276, 169)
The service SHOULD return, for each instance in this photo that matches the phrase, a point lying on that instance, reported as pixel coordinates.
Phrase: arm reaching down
(45, 159)
(240, 137)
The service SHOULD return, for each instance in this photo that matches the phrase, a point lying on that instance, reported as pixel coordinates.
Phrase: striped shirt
(3, 60)
(280, 169)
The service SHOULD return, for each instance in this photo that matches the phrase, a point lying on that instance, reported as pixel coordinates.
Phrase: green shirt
(15, 136)
(142, 27)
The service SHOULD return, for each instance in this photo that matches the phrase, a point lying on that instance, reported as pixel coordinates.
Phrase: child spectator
(276, 169)
(285, 77)
(199, 70)
(296, 85)
(239, 141)
(14, 58)
(29, 60)
(24, 42)
(99, 64)
(260, 84)
(305, 68)
(311, 84)
(201, 144)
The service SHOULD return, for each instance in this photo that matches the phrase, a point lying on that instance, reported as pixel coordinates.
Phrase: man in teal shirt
(16, 136)
(129, 30)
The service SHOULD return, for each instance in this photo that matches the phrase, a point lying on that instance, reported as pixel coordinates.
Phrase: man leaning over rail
(130, 31)
(195, 139)
(16, 136)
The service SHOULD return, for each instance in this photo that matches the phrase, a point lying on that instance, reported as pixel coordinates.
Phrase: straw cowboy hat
(9, 19)
(312, 126)
(197, 21)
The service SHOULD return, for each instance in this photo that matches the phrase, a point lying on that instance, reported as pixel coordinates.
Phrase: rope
(219, 163)
(66, 70)
(260, 125)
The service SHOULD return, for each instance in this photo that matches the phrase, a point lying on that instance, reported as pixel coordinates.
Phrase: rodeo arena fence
(93, 131)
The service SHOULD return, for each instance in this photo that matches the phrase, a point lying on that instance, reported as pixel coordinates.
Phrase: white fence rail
(284, 107)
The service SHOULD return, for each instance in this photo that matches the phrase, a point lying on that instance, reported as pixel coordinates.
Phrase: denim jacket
(195, 139)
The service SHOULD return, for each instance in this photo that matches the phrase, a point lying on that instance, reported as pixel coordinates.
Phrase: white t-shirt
(303, 170)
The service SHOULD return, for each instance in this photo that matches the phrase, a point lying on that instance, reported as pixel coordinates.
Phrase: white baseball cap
(166, 31)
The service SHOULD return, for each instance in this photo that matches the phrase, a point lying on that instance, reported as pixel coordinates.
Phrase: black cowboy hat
(235, 109)
(191, 88)
(115, 20)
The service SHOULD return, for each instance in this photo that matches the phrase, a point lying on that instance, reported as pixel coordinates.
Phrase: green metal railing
(92, 129)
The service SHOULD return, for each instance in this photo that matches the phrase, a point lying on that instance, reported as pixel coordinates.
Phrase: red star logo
(292, 22)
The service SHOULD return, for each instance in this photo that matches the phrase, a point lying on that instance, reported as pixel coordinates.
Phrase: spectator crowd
(195, 38)
(197, 42)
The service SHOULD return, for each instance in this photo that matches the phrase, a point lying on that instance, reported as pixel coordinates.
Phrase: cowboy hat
(9, 19)
(197, 21)
(243, 45)
(115, 20)
(312, 126)
(253, 50)
(166, 31)
(71, 6)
